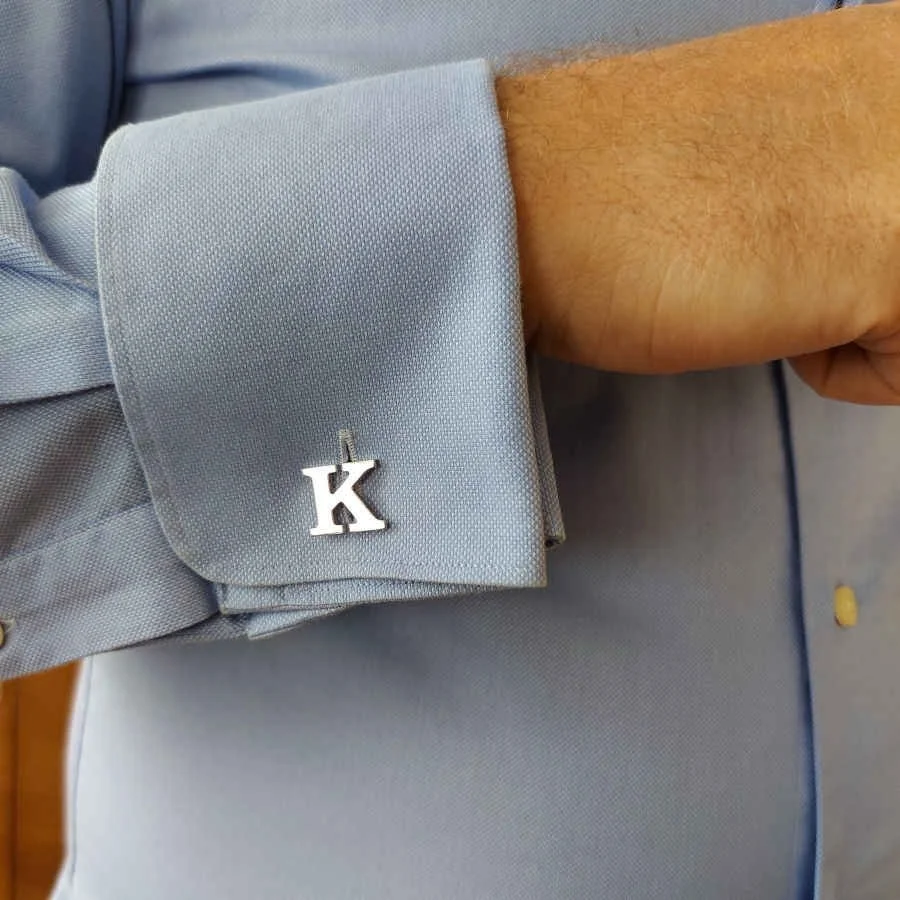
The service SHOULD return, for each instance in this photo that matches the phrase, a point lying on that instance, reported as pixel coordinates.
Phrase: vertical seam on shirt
(808, 870)
(111, 112)
(75, 772)
(117, 57)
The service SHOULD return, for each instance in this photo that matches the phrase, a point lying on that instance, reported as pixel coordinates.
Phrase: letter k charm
(327, 500)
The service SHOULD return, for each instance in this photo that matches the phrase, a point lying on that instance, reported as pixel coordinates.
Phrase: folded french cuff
(109, 586)
(321, 280)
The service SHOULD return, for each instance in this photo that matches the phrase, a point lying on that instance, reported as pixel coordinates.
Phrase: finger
(853, 374)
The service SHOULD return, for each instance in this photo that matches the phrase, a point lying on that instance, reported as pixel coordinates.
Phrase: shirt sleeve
(294, 378)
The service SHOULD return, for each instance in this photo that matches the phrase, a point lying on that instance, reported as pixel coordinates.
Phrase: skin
(722, 202)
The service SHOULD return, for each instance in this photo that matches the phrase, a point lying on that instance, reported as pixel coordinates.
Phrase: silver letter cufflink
(327, 500)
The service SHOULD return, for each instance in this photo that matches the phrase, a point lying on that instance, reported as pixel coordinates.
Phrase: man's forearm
(713, 203)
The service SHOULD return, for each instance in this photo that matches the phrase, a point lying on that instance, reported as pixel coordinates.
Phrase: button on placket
(846, 606)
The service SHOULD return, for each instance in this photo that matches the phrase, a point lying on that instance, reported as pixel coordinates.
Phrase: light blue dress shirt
(307, 230)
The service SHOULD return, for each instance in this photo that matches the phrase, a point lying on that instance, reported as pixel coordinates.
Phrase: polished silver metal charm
(328, 500)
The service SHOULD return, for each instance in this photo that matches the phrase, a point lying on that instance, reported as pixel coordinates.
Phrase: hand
(727, 201)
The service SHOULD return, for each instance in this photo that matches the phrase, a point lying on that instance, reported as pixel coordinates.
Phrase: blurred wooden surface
(34, 715)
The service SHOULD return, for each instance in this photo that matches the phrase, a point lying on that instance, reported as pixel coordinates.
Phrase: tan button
(846, 609)
(2, 633)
